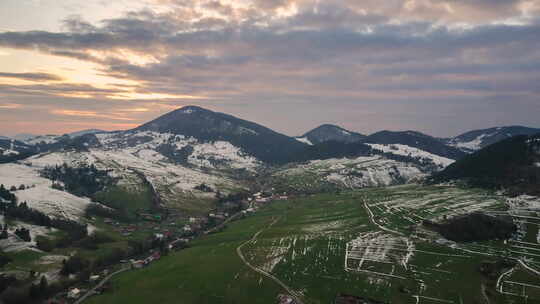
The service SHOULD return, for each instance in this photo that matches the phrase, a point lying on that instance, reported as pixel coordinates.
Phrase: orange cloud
(10, 106)
(90, 114)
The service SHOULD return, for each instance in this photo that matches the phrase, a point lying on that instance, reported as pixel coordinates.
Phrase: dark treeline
(81, 181)
(5, 194)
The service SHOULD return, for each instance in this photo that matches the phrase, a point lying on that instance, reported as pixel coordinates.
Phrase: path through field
(294, 294)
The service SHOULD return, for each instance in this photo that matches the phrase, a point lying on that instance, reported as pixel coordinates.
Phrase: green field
(326, 244)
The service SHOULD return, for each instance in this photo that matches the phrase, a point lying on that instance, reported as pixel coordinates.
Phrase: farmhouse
(74, 293)
(137, 264)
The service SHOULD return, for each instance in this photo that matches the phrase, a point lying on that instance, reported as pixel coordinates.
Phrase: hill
(416, 140)
(513, 164)
(477, 139)
(329, 132)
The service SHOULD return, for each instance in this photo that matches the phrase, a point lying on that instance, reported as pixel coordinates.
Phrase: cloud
(31, 76)
(276, 53)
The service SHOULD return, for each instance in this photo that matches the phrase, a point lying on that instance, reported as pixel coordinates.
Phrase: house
(137, 264)
(192, 219)
(94, 278)
(74, 293)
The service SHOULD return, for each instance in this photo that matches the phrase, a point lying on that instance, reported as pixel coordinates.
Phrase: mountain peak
(329, 132)
(191, 109)
(208, 126)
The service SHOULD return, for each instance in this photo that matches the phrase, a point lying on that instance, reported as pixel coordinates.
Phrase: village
(175, 232)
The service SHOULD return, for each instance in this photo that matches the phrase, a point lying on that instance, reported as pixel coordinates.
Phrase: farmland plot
(366, 242)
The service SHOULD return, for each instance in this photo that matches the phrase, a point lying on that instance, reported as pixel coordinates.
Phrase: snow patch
(304, 140)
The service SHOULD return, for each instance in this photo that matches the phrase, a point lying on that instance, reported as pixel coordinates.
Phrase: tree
(4, 233)
(43, 286)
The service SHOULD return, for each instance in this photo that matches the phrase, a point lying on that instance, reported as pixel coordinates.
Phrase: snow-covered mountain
(477, 139)
(205, 125)
(329, 132)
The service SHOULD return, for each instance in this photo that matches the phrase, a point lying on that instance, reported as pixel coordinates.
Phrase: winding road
(292, 293)
(93, 290)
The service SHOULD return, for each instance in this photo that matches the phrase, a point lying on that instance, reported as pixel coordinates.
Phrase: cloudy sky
(437, 66)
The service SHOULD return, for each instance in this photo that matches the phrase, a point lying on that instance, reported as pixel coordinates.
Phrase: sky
(437, 66)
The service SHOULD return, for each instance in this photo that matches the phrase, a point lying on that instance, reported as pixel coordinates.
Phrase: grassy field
(323, 245)
(119, 198)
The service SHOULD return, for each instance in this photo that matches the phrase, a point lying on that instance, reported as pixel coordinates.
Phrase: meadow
(358, 242)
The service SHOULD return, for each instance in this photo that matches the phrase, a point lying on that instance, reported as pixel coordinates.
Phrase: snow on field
(446, 203)
(523, 202)
(359, 172)
(205, 154)
(70, 158)
(275, 255)
(379, 247)
(304, 140)
(405, 150)
(40, 195)
(14, 243)
(324, 227)
(160, 174)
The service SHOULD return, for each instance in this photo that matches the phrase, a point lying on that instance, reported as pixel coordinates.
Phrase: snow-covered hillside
(154, 146)
(129, 156)
(404, 150)
(365, 171)
(38, 193)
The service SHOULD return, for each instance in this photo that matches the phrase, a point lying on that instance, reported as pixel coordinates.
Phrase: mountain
(512, 164)
(207, 126)
(416, 140)
(329, 132)
(475, 140)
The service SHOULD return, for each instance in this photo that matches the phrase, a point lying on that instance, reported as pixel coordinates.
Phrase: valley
(208, 208)
(356, 242)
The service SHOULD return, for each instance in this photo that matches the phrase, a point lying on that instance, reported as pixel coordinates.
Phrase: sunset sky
(436, 66)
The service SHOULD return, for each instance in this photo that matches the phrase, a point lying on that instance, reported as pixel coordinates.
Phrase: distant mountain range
(261, 143)
(186, 148)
